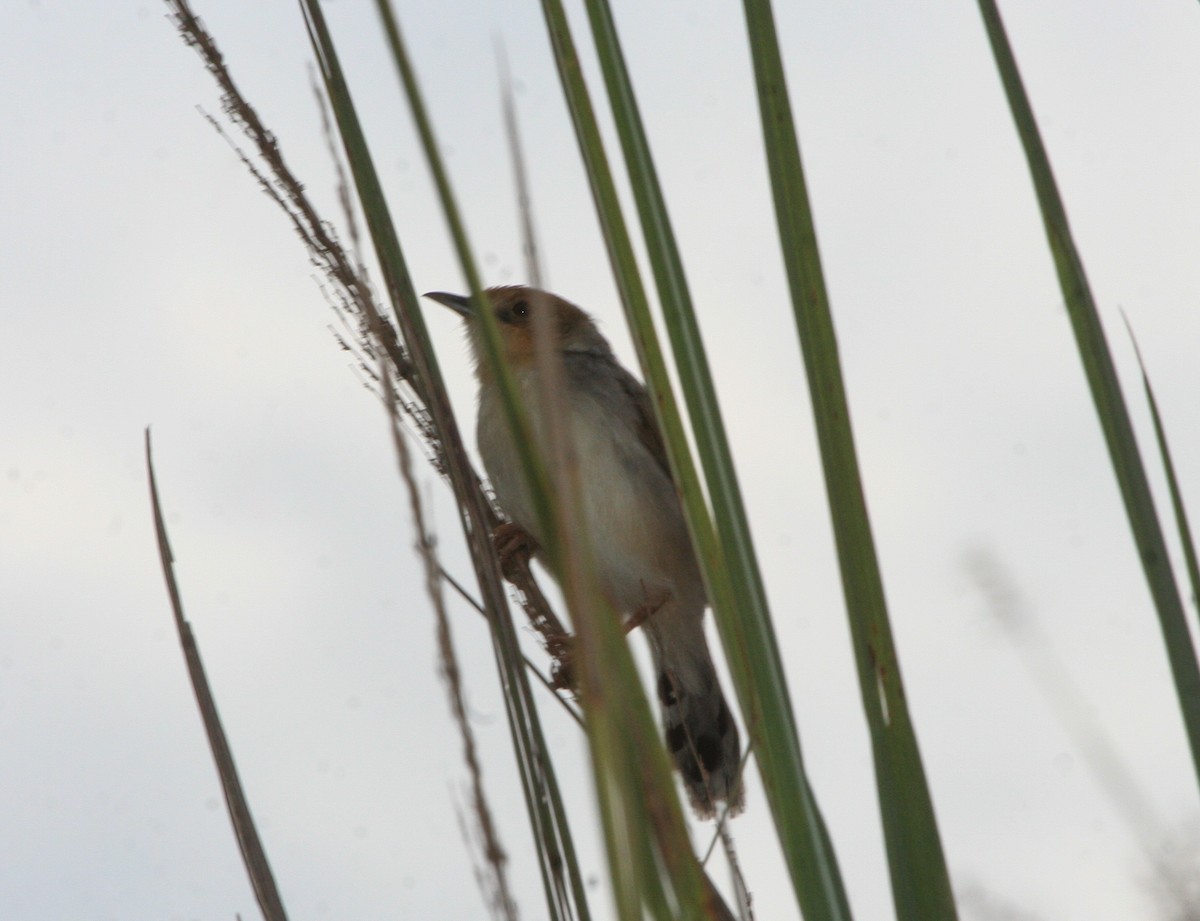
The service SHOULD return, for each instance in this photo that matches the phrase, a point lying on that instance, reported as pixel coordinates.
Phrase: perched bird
(643, 556)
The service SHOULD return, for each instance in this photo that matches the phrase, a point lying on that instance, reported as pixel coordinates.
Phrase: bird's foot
(514, 546)
(562, 673)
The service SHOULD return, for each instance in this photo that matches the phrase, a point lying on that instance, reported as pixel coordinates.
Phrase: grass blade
(533, 465)
(739, 599)
(254, 857)
(920, 881)
(1106, 392)
(1177, 506)
(516, 152)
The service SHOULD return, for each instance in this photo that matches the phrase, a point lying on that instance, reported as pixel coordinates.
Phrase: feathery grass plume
(1106, 391)
(350, 294)
(353, 299)
(254, 857)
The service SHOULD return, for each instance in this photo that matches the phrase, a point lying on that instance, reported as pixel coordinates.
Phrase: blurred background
(147, 281)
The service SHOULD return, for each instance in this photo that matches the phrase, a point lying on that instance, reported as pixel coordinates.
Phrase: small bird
(643, 556)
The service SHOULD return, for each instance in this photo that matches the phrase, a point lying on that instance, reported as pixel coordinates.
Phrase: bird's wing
(584, 369)
(645, 424)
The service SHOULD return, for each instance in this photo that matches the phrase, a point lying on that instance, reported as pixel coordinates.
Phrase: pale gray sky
(147, 281)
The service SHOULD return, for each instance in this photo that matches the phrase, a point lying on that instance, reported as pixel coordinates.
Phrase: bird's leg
(515, 547)
(642, 614)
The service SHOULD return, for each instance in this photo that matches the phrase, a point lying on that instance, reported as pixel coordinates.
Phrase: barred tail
(701, 734)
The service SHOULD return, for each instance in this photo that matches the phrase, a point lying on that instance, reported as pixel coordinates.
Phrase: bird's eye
(520, 309)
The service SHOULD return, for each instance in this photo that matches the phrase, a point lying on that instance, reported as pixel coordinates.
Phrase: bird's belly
(635, 527)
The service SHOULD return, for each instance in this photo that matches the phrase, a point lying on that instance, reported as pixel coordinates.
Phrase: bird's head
(518, 311)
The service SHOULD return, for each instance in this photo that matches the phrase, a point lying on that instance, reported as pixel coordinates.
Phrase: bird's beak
(456, 302)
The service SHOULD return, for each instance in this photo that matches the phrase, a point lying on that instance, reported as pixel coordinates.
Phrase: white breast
(634, 524)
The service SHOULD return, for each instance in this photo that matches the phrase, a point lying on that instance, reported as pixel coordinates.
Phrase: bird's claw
(514, 546)
(562, 673)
